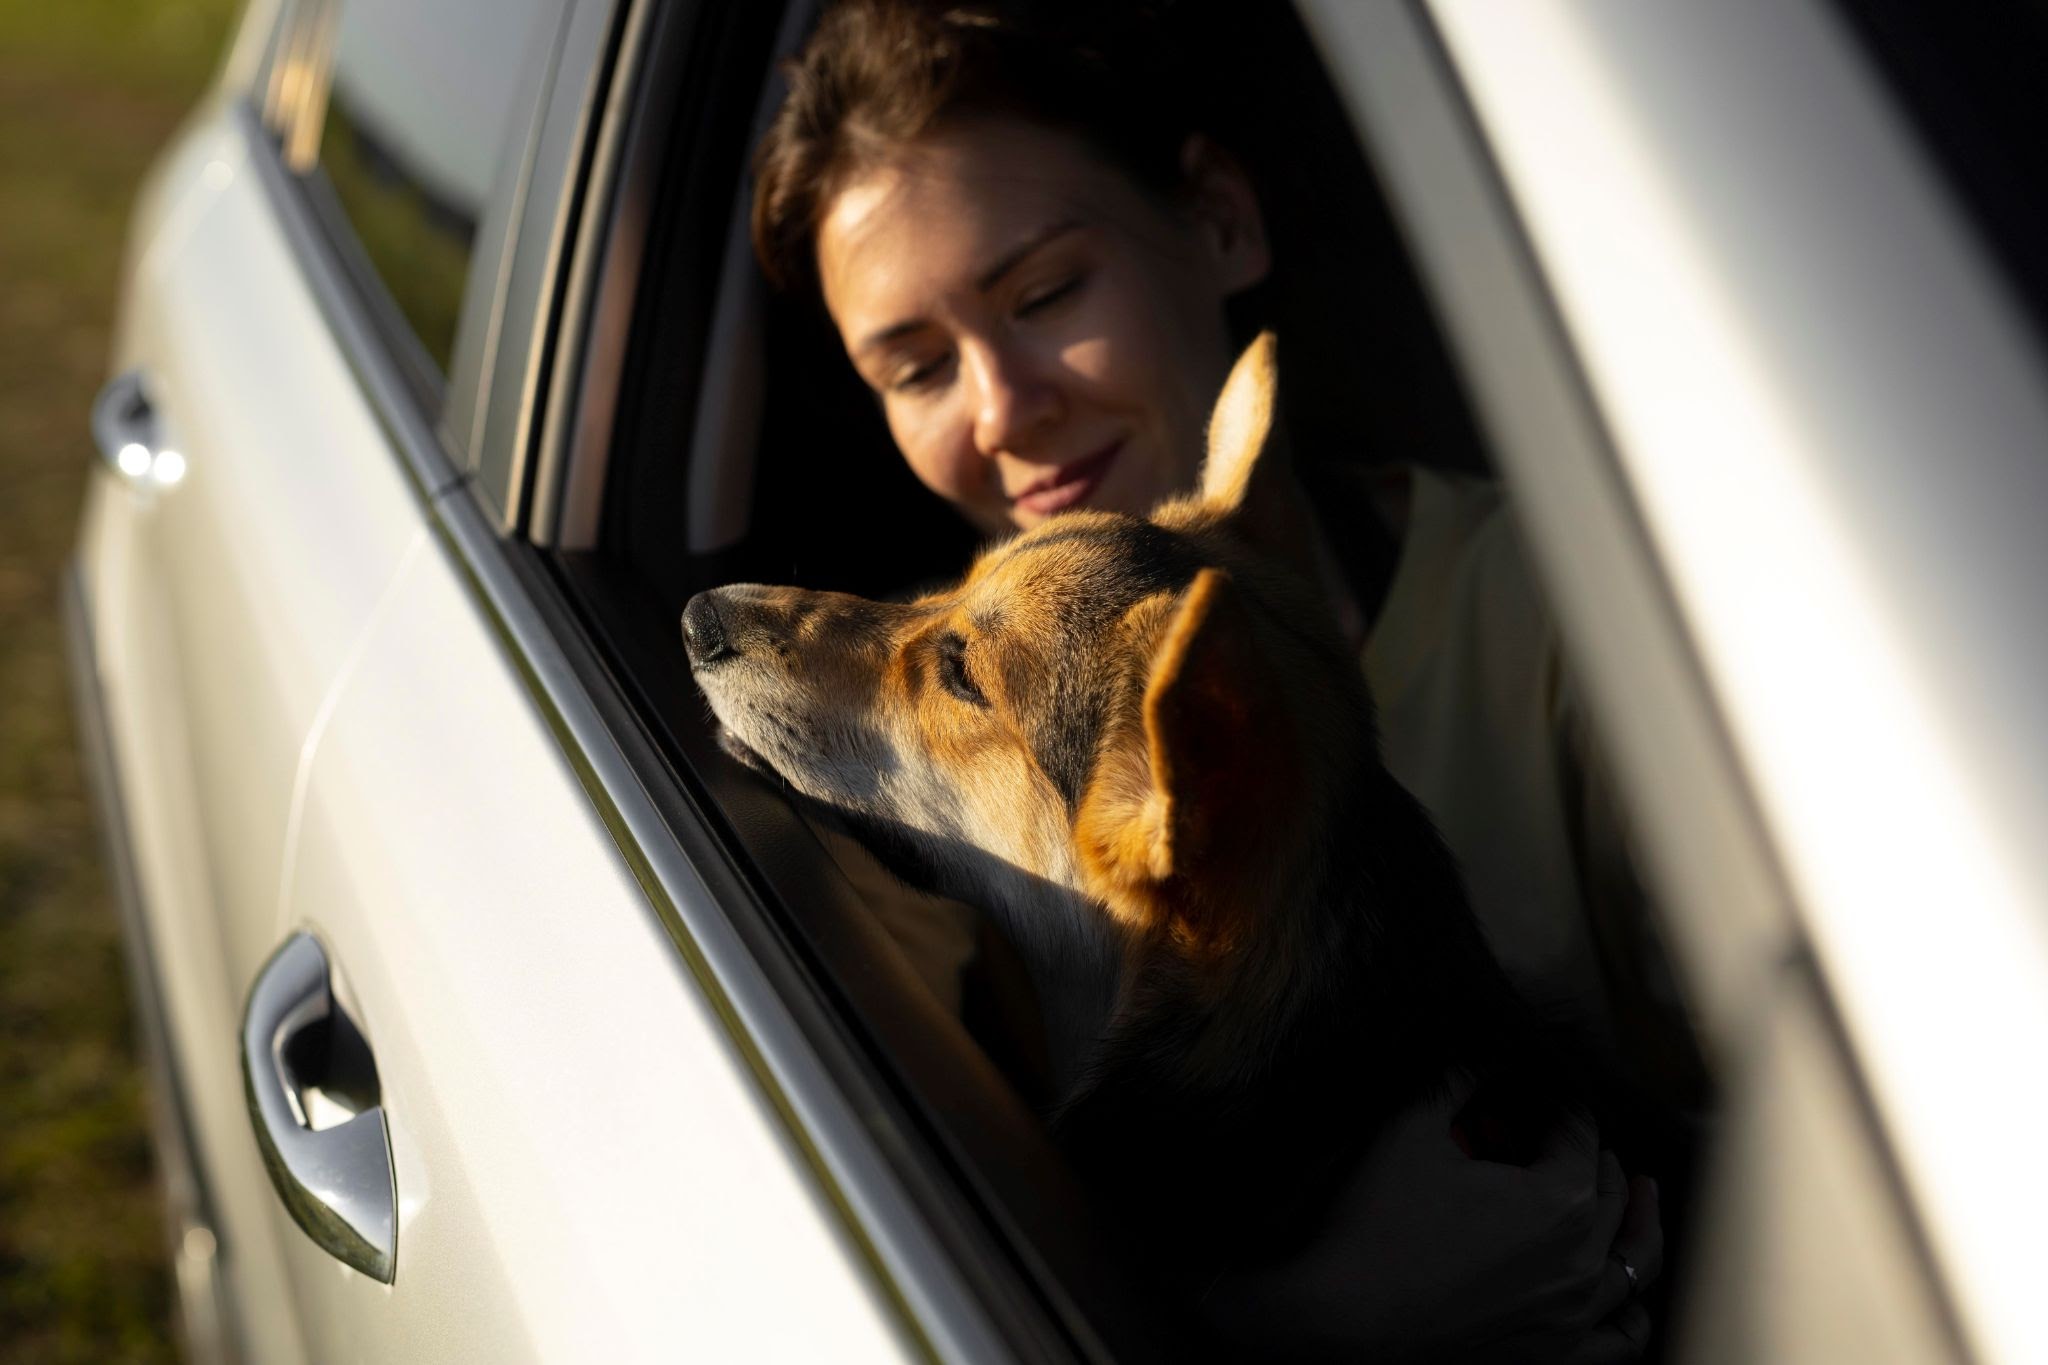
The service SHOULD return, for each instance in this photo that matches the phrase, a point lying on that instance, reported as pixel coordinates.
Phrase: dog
(1145, 748)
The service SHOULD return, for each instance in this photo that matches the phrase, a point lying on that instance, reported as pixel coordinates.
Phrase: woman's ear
(1225, 210)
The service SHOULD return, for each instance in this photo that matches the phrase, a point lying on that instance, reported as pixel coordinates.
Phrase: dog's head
(1109, 713)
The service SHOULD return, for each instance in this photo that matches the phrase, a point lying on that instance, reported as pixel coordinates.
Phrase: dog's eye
(953, 670)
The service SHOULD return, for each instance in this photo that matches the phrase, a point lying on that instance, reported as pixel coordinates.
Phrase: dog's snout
(704, 637)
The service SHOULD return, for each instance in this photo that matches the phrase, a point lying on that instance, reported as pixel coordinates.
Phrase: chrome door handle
(299, 1051)
(125, 428)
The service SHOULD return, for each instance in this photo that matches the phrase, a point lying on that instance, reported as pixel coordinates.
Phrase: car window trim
(548, 214)
(486, 287)
(592, 322)
(402, 346)
(255, 55)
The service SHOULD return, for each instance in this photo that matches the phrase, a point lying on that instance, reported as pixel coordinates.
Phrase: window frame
(982, 1263)
(545, 223)
(1006, 1271)
(288, 104)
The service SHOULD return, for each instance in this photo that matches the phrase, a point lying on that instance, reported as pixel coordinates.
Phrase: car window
(421, 100)
(796, 475)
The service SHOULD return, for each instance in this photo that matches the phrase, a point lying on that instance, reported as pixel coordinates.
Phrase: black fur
(1137, 560)
(1398, 991)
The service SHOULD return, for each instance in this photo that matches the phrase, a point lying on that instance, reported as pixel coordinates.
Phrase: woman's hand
(1432, 1255)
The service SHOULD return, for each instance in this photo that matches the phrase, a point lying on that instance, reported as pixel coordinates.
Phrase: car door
(581, 1159)
(228, 581)
(288, 411)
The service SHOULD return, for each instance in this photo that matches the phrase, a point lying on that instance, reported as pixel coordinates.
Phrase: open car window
(719, 436)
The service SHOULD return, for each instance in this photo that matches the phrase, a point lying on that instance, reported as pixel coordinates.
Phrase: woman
(1031, 260)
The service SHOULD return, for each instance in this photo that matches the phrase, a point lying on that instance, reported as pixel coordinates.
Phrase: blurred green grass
(89, 90)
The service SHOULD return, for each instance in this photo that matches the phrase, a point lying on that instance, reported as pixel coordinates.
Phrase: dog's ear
(1242, 425)
(1166, 831)
(1248, 471)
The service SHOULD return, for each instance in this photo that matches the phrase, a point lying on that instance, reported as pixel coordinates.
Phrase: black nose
(703, 632)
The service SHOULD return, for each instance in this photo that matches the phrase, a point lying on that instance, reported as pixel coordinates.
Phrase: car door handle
(131, 442)
(301, 1054)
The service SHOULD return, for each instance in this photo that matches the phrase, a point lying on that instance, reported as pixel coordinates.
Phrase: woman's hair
(878, 74)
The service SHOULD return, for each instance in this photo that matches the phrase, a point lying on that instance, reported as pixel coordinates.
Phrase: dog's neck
(1369, 936)
(1094, 978)
(1074, 957)
(1257, 1076)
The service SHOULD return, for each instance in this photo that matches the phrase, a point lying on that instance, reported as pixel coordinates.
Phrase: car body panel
(267, 559)
(584, 1166)
(502, 414)
(207, 769)
(223, 609)
(227, 612)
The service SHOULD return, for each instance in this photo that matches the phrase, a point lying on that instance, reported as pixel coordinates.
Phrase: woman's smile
(1068, 485)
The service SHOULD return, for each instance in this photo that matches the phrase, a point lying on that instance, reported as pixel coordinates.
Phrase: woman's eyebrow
(874, 341)
(1016, 255)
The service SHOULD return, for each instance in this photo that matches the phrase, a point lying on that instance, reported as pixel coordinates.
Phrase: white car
(497, 1016)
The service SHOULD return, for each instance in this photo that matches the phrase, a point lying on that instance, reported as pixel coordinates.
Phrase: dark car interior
(741, 447)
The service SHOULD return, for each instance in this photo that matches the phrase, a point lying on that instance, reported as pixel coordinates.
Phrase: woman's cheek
(1090, 357)
(937, 448)
(1127, 354)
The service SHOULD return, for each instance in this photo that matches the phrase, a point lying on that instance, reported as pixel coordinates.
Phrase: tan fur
(1241, 424)
(1212, 717)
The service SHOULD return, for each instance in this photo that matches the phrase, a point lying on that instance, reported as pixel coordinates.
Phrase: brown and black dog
(1143, 745)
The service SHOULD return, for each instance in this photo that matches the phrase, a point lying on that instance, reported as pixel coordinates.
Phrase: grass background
(89, 91)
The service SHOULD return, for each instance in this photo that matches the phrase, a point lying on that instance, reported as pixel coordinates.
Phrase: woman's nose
(1017, 400)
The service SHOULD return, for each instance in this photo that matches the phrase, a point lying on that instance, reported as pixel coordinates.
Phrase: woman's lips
(1069, 484)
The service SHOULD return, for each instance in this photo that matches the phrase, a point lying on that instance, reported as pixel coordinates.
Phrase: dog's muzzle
(704, 637)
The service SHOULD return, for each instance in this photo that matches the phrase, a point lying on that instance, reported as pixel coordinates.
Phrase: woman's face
(1043, 333)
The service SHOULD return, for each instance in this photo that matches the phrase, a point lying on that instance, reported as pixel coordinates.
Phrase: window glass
(418, 111)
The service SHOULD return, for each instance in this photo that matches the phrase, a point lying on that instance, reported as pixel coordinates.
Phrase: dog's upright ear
(1248, 472)
(1170, 828)
(1242, 425)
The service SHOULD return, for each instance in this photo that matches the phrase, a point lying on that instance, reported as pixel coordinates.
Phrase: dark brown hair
(878, 74)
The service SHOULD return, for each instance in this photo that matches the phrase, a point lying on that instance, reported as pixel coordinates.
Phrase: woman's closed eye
(1039, 300)
(916, 375)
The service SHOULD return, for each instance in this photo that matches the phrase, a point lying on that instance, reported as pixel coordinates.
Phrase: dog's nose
(703, 632)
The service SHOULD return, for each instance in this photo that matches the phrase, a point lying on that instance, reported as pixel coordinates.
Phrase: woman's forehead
(943, 212)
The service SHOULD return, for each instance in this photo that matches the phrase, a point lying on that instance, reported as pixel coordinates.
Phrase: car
(495, 1014)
